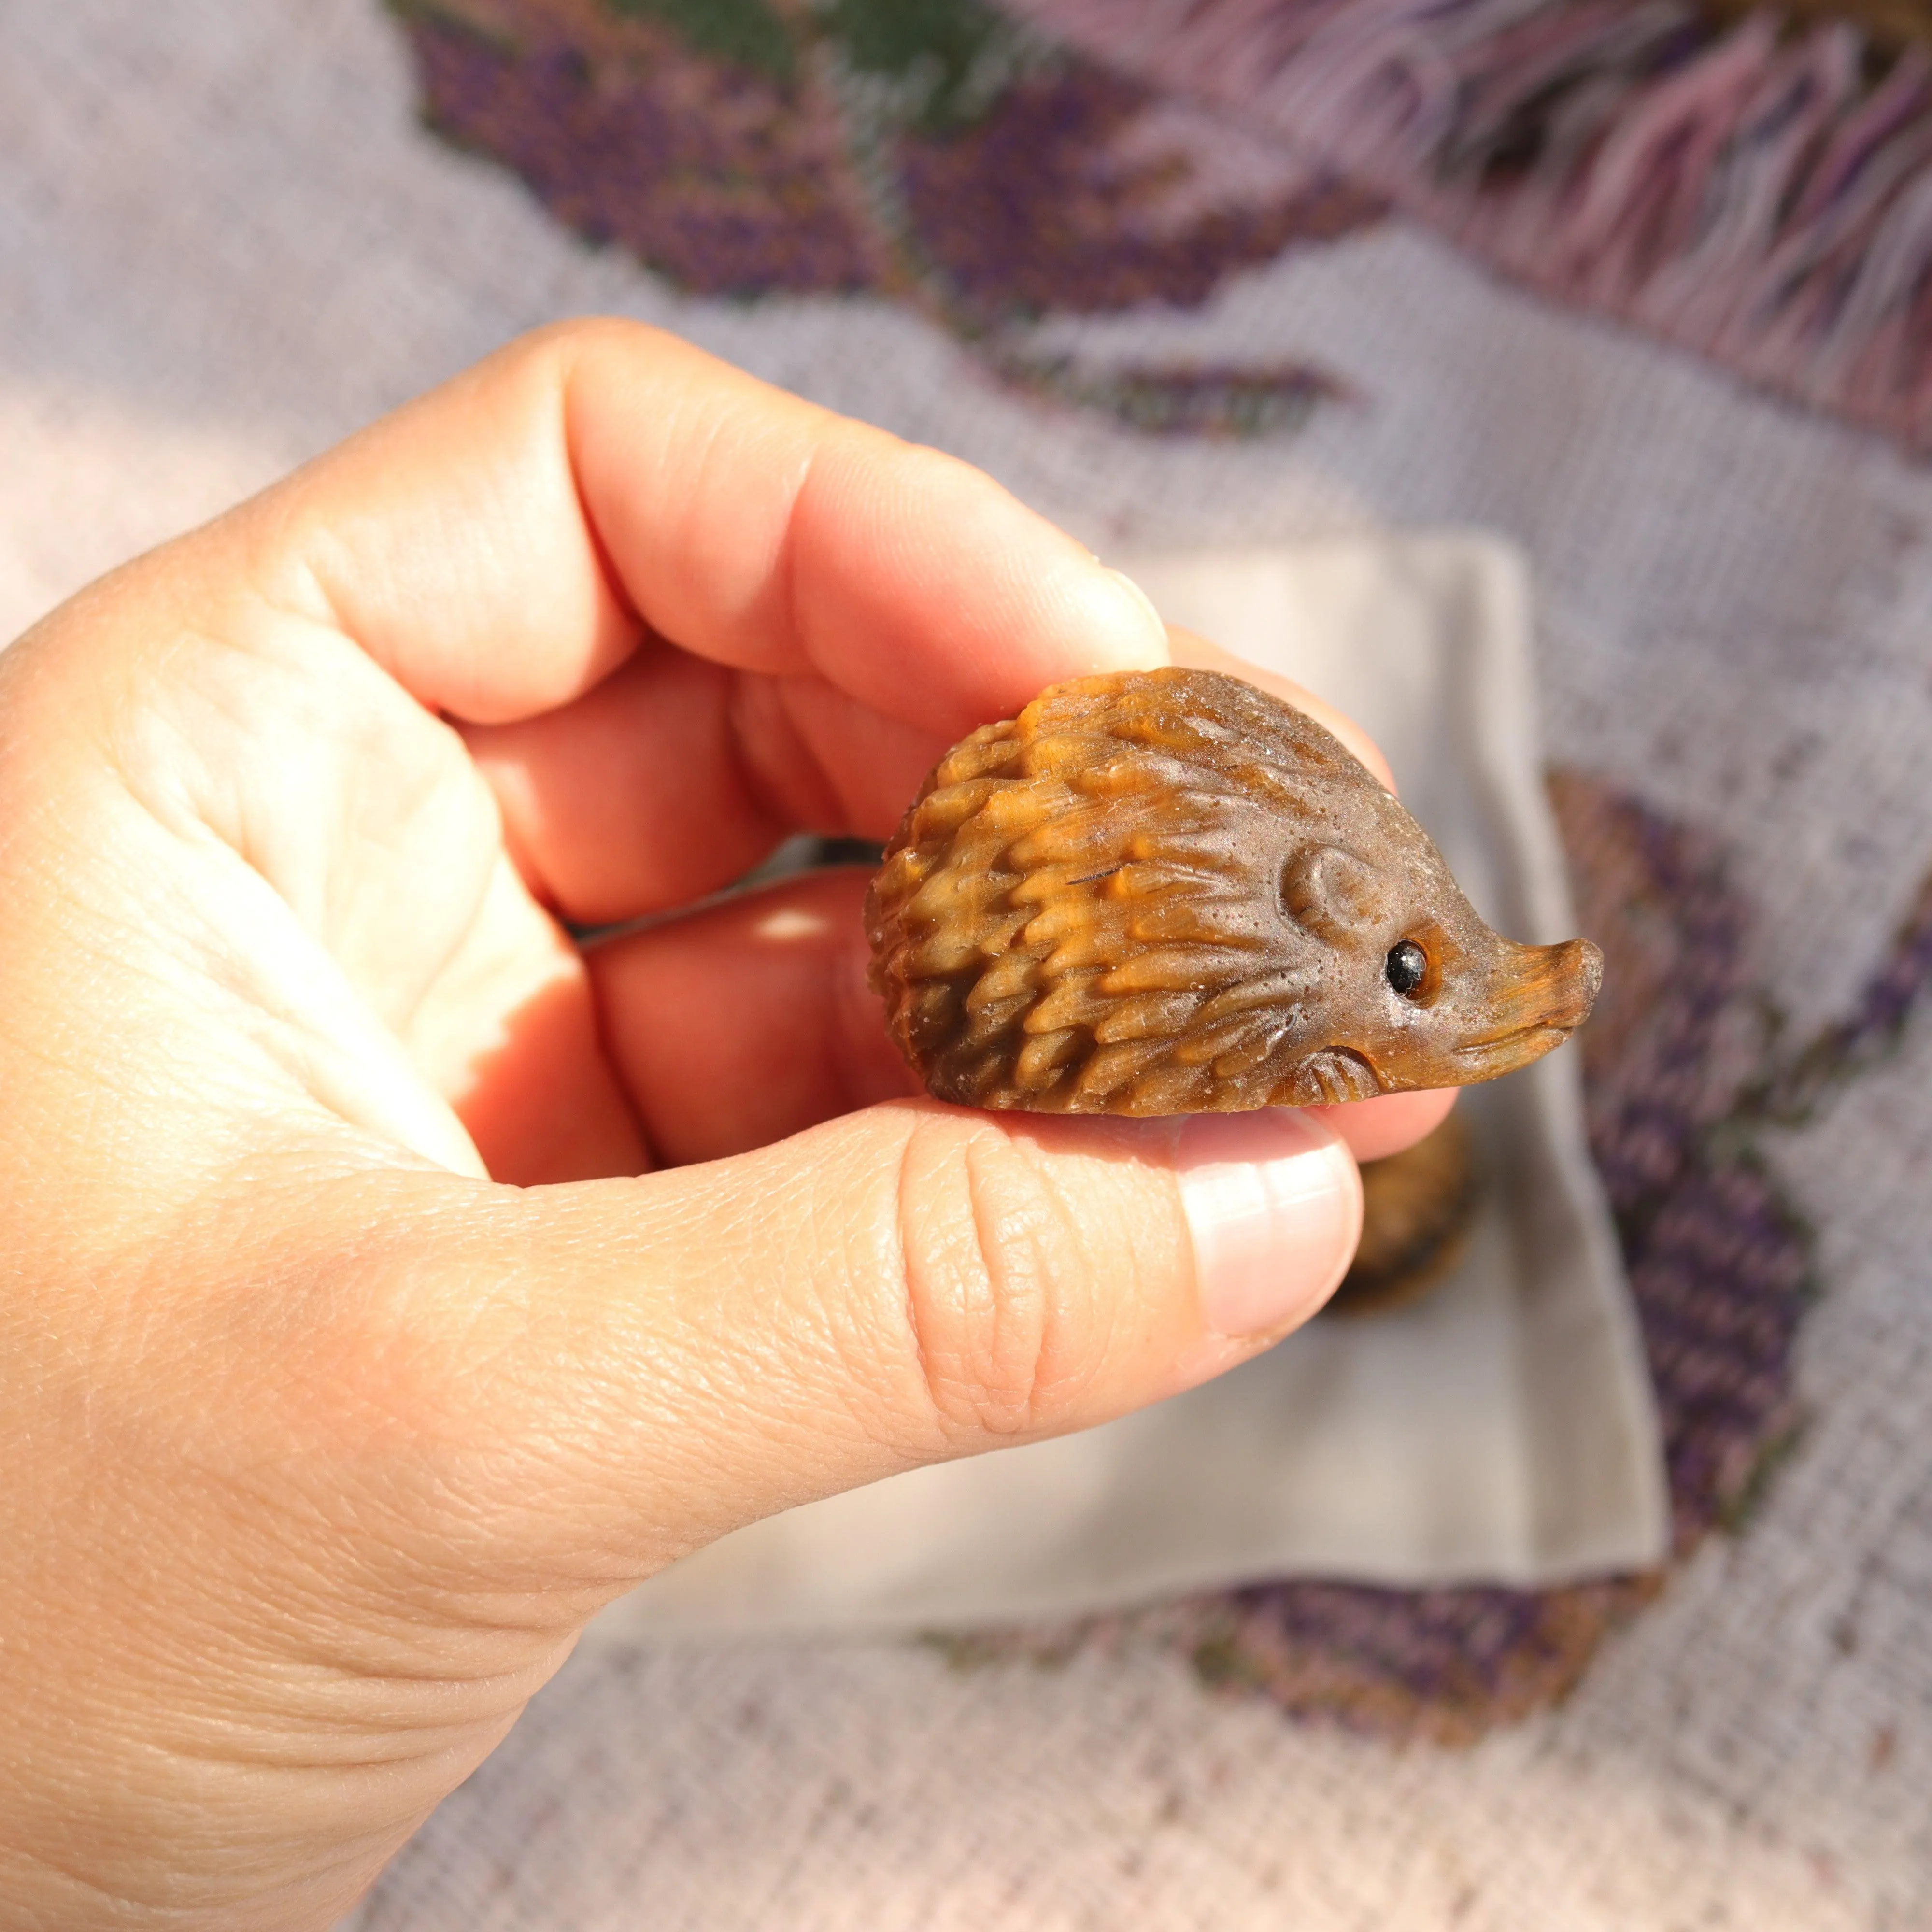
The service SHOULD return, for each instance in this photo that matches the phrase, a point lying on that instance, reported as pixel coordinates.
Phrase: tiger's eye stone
(1168, 892)
(1417, 1208)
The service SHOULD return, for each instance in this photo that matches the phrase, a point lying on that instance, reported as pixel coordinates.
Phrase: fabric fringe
(1757, 191)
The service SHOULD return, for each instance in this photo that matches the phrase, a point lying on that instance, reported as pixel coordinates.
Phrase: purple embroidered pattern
(1108, 218)
(818, 155)
(1751, 185)
(1755, 187)
(725, 179)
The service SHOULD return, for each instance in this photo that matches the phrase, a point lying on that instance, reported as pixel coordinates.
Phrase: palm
(401, 955)
(389, 859)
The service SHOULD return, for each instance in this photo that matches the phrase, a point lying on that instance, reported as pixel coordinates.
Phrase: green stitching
(952, 58)
(746, 33)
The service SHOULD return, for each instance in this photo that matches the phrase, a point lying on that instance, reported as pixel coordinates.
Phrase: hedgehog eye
(1406, 967)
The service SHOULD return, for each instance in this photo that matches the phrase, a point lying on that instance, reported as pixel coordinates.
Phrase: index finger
(504, 543)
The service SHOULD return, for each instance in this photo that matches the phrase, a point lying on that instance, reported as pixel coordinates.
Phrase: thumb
(690, 1350)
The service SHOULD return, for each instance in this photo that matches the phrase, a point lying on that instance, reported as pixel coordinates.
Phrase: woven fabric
(226, 240)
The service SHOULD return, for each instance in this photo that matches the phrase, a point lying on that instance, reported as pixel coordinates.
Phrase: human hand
(349, 1364)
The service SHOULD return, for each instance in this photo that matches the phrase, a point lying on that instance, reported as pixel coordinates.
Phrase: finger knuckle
(992, 1260)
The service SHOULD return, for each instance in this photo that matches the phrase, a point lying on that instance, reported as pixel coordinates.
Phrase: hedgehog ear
(1331, 891)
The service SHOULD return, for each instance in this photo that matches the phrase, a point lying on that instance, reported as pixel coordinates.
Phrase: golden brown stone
(1417, 1207)
(1167, 893)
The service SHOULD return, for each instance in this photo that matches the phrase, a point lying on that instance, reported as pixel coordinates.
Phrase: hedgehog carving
(1167, 893)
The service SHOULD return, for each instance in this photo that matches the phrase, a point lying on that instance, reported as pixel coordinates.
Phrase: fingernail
(1145, 617)
(1274, 1208)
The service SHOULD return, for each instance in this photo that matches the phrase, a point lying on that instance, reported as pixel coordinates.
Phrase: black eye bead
(1407, 967)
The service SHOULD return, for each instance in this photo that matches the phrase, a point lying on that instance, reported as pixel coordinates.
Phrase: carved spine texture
(1075, 917)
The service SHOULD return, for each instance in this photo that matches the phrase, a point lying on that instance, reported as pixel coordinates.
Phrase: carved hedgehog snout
(1419, 991)
(1166, 892)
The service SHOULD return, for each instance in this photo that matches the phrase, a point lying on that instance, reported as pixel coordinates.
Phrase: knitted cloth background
(1182, 273)
(989, 175)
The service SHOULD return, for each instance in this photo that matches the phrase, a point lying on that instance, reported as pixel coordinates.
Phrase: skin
(389, 1285)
